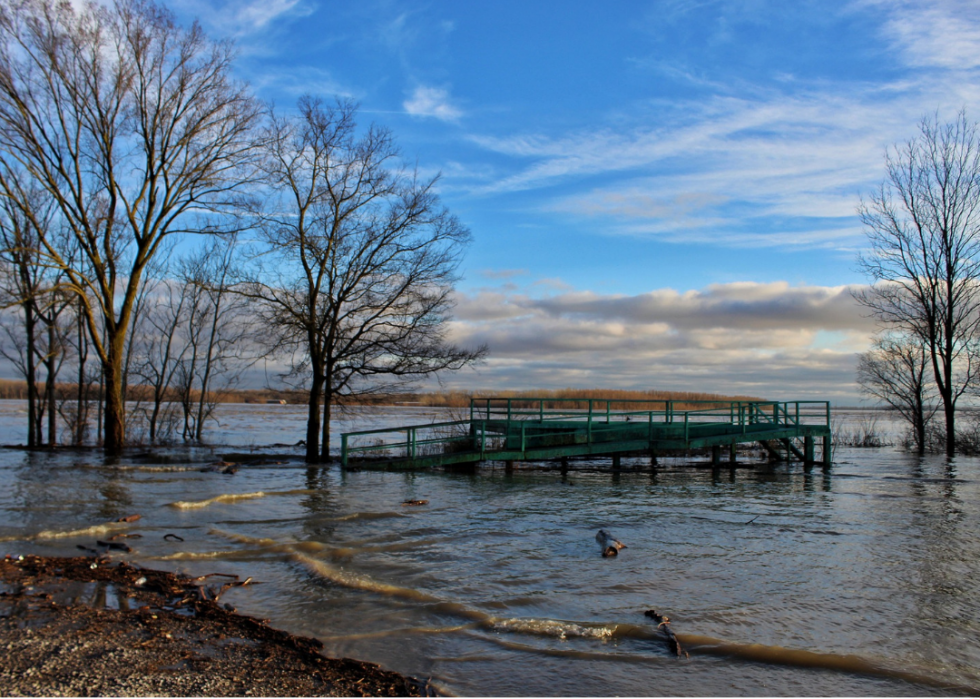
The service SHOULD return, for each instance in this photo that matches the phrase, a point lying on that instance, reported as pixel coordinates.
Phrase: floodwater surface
(862, 580)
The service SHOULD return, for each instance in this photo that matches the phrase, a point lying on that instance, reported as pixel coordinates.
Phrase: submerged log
(663, 623)
(610, 545)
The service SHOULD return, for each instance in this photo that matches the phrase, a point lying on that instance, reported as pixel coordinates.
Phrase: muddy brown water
(864, 580)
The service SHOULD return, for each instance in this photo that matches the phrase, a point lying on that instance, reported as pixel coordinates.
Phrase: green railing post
(607, 412)
(483, 438)
(775, 413)
(541, 411)
(343, 451)
(523, 438)
(508, 410)
(411, 443)
(686, 428)
(588, 429)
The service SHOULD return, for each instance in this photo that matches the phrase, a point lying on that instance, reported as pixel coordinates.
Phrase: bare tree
(923, 227)
(28, 282)
(159, 349)
(897, 371)
(218, 334)
(359, 258)
(134, 128)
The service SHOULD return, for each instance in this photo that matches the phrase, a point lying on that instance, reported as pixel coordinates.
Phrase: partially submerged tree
(27, 282)
(135, 129)
(217, 333)
(897, 370)
(358, 262)
(923, 226)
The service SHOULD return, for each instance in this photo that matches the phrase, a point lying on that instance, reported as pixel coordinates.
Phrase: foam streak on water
(861, 581)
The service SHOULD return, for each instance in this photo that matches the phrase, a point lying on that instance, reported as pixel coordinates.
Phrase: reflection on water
(780, 581)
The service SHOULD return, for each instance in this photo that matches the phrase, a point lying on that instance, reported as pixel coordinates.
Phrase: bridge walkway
(537, 429)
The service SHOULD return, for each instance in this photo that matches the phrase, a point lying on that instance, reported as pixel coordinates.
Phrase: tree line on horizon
(162, 228)
(572, 398)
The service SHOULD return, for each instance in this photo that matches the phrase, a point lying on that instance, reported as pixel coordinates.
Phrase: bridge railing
(497, 423)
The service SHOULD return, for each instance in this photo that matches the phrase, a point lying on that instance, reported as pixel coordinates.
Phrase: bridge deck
(535, 429)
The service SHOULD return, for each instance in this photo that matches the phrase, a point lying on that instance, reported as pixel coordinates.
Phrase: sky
(662, 195)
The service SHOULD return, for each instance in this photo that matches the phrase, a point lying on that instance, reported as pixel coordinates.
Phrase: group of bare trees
(123, 136)
(923, 227)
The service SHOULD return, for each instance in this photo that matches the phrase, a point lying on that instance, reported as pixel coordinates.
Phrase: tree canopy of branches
(135, 130)
(358, 261)
(923, 227)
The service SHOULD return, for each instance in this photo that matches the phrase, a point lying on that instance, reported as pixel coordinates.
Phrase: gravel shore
(143, 632)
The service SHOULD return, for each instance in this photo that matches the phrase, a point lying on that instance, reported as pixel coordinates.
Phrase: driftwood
(610, 545)
(168, 537)
(663, 623)
(114, 545)
(415, 503)
(129, 519)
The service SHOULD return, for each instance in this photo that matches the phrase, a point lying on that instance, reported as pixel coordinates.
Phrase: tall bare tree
(923, 227)
(897, 370)
(359, 259)
(134, 127)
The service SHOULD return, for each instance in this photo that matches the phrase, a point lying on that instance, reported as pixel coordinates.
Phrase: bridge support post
(808, 450)
(731, 453)
(616, 462)
(508, 466)
(827, 452)
(715, 455)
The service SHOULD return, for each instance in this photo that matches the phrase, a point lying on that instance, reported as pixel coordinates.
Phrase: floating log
(663, 623)
(415, 503)
(610, 545)
(129, 519)
(114, 545)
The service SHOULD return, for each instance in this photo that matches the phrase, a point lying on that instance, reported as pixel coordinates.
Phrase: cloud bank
(767, 340)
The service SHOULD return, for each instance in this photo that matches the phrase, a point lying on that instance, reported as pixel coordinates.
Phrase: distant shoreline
(17, 390)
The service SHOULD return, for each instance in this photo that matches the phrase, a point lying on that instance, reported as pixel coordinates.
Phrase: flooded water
(861, 581)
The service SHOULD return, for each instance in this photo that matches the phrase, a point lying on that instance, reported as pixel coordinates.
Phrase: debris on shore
(154, 633)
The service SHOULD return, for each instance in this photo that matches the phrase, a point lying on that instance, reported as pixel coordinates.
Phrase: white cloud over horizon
(765, 340)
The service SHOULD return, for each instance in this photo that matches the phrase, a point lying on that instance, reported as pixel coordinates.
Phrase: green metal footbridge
(539, 429)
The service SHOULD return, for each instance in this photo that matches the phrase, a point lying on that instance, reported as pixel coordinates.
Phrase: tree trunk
(950, 410)
(313, 421)
(919, 425)
(114, 425)
(29, 323)
(325, 440)
(81, 407)
(50, 364)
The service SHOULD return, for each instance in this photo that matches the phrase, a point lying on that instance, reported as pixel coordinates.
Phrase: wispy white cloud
(245, 18)
(780, 165)
(938, 33)
(432, 102)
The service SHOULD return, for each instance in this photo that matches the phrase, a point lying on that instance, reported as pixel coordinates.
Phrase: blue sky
(661, 194)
